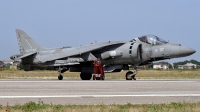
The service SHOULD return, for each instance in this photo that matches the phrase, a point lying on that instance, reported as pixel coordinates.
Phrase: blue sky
(78, 22)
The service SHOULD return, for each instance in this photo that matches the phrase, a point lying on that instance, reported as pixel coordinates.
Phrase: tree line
(175, 65)
(185, 62)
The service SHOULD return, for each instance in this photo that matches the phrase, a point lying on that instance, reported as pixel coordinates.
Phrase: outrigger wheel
(60, 77)
(60, 71)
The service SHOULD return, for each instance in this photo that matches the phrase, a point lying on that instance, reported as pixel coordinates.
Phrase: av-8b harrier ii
(94, 59)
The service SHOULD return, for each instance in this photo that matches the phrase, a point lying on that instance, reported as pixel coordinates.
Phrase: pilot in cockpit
(153, 40)
(144, 39)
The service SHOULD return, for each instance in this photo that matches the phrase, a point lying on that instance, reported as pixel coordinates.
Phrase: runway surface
(20, 91)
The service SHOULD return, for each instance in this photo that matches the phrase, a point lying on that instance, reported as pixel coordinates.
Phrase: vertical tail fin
(26, 43)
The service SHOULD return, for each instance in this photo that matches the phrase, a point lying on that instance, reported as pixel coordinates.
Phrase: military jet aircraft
(94, 59)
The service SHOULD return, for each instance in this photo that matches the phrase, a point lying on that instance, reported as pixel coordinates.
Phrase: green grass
(170, 74)
(142, 74)
(42, 107)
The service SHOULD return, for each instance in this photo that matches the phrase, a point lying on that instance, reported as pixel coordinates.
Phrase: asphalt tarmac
(20, 91)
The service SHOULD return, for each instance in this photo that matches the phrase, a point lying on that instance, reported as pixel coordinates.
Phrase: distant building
(16, 63)
(7, 63)
(1, 64)
(13, 67)
(187, 66)
(161, 65)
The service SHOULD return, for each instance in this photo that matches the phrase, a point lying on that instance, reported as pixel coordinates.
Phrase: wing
(79, 51)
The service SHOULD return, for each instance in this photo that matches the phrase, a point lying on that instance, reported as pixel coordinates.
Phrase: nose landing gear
(131, 75)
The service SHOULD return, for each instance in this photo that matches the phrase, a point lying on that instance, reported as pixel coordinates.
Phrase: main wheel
(60, 77)
(129, 75)
(85, 76)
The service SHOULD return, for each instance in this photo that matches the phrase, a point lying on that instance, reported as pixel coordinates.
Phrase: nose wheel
(131, 75)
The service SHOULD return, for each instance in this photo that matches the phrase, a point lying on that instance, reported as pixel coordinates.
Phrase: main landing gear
(98, 73)
(86, 76)
(131, 75)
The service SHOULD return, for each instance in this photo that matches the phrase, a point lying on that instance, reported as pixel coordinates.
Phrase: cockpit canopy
(152, 39)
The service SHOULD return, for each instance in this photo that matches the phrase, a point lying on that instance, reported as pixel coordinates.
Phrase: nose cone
(185, 51)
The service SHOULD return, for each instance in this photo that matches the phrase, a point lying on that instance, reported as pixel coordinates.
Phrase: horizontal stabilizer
(26, 55)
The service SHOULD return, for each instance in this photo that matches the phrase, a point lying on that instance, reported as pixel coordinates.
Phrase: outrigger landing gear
(61, 70)
(131, 75)
(60, 77)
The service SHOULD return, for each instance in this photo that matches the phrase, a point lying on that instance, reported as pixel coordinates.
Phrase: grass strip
(142, 74)
(42, 107)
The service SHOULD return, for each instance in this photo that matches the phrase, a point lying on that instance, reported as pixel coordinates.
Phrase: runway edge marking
(98, 96)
